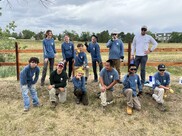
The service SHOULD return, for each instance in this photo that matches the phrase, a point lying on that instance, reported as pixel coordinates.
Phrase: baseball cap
(144, 26)
(60, 64)
(161, 67)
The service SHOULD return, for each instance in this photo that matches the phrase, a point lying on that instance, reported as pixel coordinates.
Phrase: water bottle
(180, 80)
(153, 80)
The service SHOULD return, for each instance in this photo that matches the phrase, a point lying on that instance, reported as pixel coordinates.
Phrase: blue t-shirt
(94, 50)
(81, 59)
(49, 48)
(109, 76)
(161, 80)
(79, 84)
(132, 82)
(116, 49)
(68, 50)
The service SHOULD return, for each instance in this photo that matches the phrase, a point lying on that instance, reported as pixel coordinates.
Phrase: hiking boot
(37, 105)
(53, 104)
(26, 110)
(129, 110)
(161, 107)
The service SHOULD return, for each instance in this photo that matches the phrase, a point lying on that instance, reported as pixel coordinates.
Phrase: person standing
(140, 45)
(57, 85)
(116, 51)
(81, 61)
(28, 78)
(108, 78)
(68, 54)
(49, 54)
(94, 49)
(131, 82)
(162, 81)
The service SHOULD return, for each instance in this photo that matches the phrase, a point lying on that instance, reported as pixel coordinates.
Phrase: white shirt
(141, 44)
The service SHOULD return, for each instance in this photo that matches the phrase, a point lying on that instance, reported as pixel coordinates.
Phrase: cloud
(95, 15)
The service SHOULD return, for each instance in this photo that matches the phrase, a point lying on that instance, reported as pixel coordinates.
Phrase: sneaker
(53, 104)
(26, 110)
(77, 101)
(37, 105)
(95, 80)
(161, 107)
(129, 110)
(110, 102)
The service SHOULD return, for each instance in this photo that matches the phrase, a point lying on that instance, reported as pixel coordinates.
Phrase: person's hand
(140, 93)
(147, 52)
(64, 61)
(112, 40)
(103, 88)
(46, 60)
(49, 87)
(86, 44)
(73, 60)
(132, 57)
(61, 89)
(55, 55)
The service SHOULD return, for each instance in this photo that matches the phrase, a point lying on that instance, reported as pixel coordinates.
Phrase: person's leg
(158, 95)
(65, 65)
(94, 66)
(143, 65)
(129, 98)
(86, 72)
(52, 95)
(100, 66)
(44, 72)
(136, 103)
(137, 61)
(51, 65)
(85, 98)
(109, 96)
(25, 96)
(70, 67)
(78, 94)
(62, 96)
(103, 98)
(33, 93)
(117, 66)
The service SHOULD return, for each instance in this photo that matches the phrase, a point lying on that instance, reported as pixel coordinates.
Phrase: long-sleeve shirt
(81, 59)
(29, 76)
(132, 82)
(116, 49)
(161, 80)
(141, 43)
(79, 83)
(68, 50)
(59, 80)
(49, 48)
(94, 50)
(109, 76)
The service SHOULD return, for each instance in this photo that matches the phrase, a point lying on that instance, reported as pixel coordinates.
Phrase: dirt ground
(70, 119)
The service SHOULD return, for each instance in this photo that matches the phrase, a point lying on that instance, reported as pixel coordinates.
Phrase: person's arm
(73, 51)
(83, 84)
(36, 76)
(51, 78)
(85, 61)
(98, 53)
(63, 52)
(133, 47)
(87, 46)
(54, 49)
(109, 44)
(122, 51)
(44, 49)
(112, 84)
(63, 82)
(154, 44)
(24, 76)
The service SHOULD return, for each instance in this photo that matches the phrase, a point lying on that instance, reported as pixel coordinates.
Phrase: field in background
(70, 119)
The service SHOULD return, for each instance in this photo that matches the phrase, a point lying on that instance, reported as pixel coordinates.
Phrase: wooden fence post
(17, 62)
(129, 54)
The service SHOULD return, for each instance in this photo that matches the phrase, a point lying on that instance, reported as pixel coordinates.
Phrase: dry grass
(70, 119)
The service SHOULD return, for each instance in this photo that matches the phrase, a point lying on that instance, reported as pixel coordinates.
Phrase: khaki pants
(158, 95)
(106, 97)
(117, 65)
(132, 101)
(61, 95)
(86, 69)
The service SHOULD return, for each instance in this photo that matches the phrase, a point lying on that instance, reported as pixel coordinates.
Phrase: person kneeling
(58, 83)
(79, 87)
(131, 80)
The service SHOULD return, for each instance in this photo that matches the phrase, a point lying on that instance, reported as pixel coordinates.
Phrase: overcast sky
(94, 15)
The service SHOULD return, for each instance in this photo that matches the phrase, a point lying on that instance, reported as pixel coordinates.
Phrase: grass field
(70, 119)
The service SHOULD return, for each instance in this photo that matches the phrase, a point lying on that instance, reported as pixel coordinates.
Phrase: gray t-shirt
(109, 76)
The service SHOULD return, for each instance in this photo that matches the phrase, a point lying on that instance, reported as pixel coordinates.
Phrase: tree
(27, 34)
(128, 37)
(175, 37)
(85, 36)
(103, 36)
(39, 36)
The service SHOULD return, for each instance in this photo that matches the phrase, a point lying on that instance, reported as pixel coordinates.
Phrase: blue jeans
(141, 60)
(25, 89)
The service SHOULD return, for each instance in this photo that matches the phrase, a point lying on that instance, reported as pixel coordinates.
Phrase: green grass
(7, 71)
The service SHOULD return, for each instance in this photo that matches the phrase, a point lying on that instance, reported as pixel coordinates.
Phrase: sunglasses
(143, 29)
(133, 69)
(161, 69)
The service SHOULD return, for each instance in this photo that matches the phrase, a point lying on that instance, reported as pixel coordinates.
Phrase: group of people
(108, 77)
